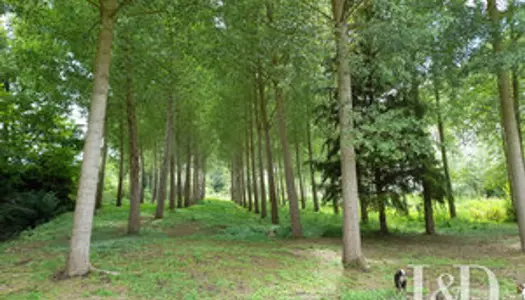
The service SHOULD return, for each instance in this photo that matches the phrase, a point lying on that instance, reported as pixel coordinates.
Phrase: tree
(508, 115)
(78, 259)
(159, 213)
(352, 252)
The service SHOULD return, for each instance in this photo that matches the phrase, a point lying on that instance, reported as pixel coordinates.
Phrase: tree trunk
(180, 199)
(134, 152)
(516, 93)
(311, 164)
(364, 211)
(442, 141)
(269, 160)
(352, 252)
(172, 182)
(299, 175)
(279, 171)
(380, 197)
(195, 188)
(159, 213)
(78, 259)
(515, 156)
(154, 175)
(102, 171)
(429, 209)
(121, 164)
(248, 180)
(260, 124)
(295, 217)
(202, 191)
(254, 170)
(187, 185)
(144, 183)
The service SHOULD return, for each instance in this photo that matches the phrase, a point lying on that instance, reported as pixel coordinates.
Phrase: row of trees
(265, 86)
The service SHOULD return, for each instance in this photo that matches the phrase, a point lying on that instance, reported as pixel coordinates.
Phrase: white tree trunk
(352, 253)
(78, 259)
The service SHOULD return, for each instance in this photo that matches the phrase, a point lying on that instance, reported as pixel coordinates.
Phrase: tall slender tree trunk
(352, 252)
(429, 209)
(248, 179)
(202, 186)
(102, 170)
(515, 155)
(254, 170)
(516, 93)
(134, 151)
(144, 183)
(78, 258)
(154, 175)
(159, 213)
(180, 199)
(269, 160)
(172, 182)
(300, 175)
(260, 146)
(187, 184)
(295, 217)
(311, 164)
(242, 181)
(121, 164)
(279, 171)
(442, 141)
(196, 182)
(380, 197)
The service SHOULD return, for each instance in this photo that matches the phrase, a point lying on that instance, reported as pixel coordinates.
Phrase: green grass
(216, 250)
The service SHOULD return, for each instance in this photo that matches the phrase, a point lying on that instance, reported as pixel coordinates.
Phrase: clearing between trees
(218, 250)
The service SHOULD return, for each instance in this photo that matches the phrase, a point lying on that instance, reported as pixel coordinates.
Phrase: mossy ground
(216, 250)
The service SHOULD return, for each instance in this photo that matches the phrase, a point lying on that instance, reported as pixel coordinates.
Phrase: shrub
(28, 210)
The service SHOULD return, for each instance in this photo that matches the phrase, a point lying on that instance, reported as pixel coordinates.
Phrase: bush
(28, 210)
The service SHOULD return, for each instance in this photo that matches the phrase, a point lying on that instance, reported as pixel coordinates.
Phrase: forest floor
(216, 250)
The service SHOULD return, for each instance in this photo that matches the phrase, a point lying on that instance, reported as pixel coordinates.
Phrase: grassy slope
(216, 250)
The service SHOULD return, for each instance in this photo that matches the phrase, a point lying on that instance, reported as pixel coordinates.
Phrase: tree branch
(354, 9)
(93, 3)
(316, 9)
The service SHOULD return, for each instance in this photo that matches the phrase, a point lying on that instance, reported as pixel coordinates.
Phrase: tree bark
(121, 164)
(172, 182)
(254, 170)
(187, 184)
(380, 197)
(269, 160)
(295, 217)
(429, 209)
(159, 213)
(154, 175)
(134, 151)
(260, 125)
(248, 179)
(299, 175)
(352, 252)
(202, 185)
(180, 199)
(279, 171)
(144, 183)
(442, 141)
(311, 164)
(78, 258)
(515, 155)
(195, 188)
(516, 93)
(102, 171)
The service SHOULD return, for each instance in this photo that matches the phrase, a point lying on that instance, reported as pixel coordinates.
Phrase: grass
(216, 250)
